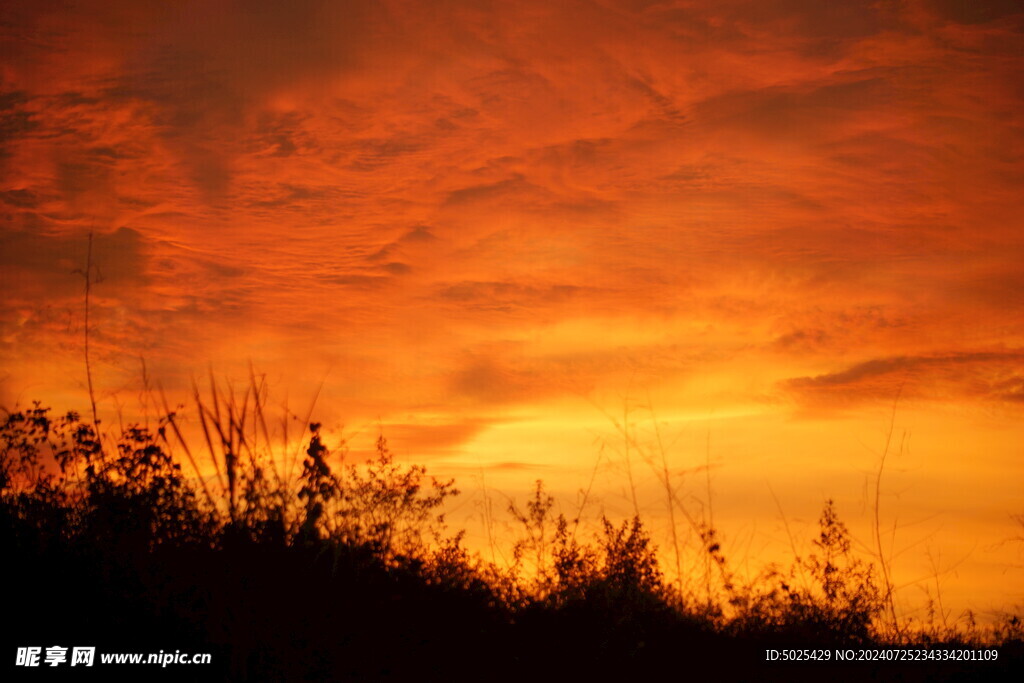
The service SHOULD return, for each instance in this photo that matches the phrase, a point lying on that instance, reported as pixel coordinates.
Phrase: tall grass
(307, 563)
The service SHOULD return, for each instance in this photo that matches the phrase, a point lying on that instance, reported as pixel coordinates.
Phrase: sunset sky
(492, 228)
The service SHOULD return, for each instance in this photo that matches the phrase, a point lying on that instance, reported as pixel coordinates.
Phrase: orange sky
(486, 224)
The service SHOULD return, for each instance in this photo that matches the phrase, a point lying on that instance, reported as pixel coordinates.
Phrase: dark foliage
(348, 573)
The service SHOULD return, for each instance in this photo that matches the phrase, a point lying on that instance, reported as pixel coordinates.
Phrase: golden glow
(493, 229)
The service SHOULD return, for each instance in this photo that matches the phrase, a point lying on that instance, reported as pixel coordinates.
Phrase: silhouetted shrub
(348, 571)
(829, 596)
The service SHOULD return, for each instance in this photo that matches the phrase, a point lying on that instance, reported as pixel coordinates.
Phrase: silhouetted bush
(348, 571)
(829, 596)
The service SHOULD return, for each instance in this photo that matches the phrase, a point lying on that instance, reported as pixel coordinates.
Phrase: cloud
(802, 340)
(16, 120)
(20, 199)
(416, 238)
(510, 189)
(967, 12)
(508, 296)
(404, 185)
(202, 69)
(52, 259)
(790, 113)
(488, 381)
(432, 439)
(980, 375)
(817, 30)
